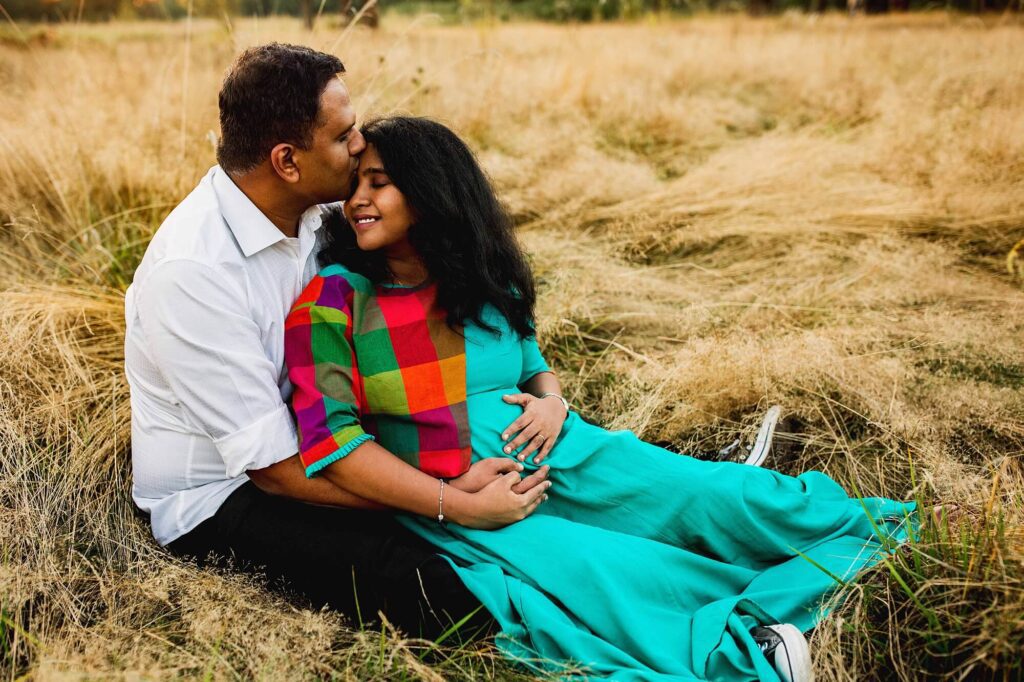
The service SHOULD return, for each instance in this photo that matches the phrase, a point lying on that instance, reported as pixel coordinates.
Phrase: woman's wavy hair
(462, 232)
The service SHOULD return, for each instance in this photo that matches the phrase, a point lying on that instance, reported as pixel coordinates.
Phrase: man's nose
(357, 143)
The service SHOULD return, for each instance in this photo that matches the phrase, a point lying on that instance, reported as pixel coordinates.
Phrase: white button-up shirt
(204, 351)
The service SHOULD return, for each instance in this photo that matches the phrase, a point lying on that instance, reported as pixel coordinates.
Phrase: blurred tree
(306, 8)
(548, 10)
(215, 8)
(369, 16)
(61, 10)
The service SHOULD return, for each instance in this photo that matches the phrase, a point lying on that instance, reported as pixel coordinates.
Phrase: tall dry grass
(723, 213)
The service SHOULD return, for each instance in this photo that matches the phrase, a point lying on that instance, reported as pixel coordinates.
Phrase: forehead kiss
(369, 166)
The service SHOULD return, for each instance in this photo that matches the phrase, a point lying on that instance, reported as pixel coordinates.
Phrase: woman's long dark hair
(462, 232)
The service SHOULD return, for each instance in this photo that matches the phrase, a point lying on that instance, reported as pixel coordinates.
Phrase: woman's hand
(497, 504)
(485, 471)
(538, 427)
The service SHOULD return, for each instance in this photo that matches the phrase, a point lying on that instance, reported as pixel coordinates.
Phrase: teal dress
(643, 564)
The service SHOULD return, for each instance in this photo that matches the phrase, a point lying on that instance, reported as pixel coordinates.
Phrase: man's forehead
(336, 90)
(335, 105)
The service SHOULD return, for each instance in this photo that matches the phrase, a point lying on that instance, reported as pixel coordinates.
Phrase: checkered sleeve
(533, 361)
(323, 369)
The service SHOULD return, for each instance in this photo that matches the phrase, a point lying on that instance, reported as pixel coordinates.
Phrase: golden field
(724, 213)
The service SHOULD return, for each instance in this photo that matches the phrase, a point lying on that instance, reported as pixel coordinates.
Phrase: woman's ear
(282, 158)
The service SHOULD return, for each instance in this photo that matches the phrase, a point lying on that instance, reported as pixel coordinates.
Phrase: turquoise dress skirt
(645, 564)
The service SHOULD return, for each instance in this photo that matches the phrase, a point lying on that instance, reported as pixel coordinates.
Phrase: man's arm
(202, 337)
(287, 478)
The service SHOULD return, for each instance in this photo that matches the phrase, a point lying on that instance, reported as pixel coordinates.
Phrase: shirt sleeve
(203, 339)
(533, 361)
(322, 367)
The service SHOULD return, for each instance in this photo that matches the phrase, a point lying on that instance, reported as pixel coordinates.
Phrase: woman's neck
(406, 267)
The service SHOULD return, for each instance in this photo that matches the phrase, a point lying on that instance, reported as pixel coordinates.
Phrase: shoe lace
(766, 640)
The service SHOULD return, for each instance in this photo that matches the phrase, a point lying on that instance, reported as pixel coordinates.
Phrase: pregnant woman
(413, 355)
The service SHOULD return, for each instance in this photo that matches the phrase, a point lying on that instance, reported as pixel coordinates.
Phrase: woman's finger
(525, 435)
(535, 443)
(535, 493)
(534, 479)
(510, 479)
(516, 426)
(517, 398)
(503, 466)
(536, 502)
(548, 444)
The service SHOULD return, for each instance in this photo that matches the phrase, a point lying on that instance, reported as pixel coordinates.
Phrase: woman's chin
(365, 244)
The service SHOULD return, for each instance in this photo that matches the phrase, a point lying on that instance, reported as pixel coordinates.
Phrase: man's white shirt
(204, 351)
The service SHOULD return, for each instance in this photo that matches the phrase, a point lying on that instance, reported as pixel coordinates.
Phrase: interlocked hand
(483, 472)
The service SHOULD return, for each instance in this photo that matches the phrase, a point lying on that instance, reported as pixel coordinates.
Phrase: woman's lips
(364, 222)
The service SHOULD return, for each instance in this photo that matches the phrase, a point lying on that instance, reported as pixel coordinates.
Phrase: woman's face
(377, 211)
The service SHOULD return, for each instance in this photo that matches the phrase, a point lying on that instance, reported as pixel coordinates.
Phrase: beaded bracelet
(440, 503)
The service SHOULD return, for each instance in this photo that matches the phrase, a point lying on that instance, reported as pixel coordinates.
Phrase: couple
(383, 434)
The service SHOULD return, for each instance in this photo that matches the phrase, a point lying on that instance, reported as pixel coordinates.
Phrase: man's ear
(282, 158)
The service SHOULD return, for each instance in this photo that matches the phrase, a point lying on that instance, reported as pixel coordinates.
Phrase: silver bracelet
(565, 403)
(440, 503)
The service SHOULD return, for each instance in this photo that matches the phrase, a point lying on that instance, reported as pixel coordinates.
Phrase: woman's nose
(359, 197)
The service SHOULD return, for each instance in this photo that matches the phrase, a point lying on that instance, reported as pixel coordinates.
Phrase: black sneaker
(786, 649)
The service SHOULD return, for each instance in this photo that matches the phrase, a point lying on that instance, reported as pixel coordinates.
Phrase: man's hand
(537, 427)
(484, 472)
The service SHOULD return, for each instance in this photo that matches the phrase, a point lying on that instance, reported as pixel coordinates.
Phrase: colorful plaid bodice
(370, 361)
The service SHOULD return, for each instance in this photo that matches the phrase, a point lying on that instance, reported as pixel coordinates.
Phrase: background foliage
(468, 10)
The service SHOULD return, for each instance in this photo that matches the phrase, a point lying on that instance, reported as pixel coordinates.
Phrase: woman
(640, 563)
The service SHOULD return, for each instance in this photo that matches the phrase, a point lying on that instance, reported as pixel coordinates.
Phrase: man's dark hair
(271, 95)
(462, 231)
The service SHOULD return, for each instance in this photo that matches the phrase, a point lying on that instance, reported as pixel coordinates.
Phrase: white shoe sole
(763, 443)
(793, 656)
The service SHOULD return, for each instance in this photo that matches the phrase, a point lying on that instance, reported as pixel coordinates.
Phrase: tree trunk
(307, 13)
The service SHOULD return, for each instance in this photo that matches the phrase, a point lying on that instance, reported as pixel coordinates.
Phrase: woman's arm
(541, 383)
(373, 473)
(541, 421)
(288, 479)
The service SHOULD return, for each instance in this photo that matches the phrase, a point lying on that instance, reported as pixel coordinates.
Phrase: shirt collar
(252, 229)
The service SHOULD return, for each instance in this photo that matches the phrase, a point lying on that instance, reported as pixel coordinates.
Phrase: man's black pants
(354, 561)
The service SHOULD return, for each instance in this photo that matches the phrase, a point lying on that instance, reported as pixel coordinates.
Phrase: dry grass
(724, 213)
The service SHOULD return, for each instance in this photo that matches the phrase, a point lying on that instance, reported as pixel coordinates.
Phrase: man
(213, 440)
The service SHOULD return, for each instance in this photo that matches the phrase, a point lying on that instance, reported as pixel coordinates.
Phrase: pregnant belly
(489, 415)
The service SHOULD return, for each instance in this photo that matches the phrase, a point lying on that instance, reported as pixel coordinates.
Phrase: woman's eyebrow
(371, 171)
